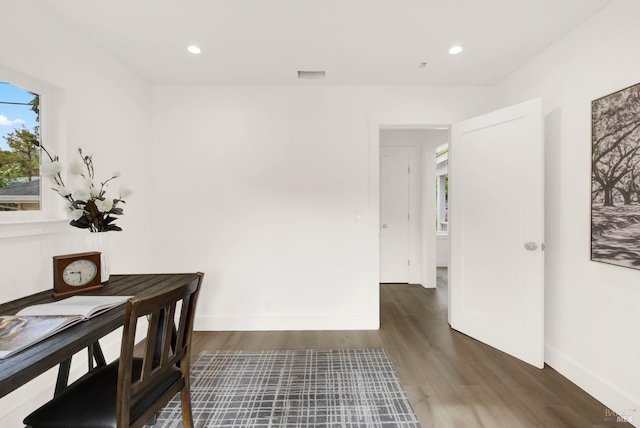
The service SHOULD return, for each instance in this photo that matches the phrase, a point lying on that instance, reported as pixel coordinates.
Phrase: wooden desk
(25, 365)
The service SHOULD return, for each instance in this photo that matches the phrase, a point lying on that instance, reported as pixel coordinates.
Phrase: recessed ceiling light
(311, 74)
(455, 50)
(194, 49)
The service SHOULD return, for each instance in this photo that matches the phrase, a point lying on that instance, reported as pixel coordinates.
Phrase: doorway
(518, 328)
(406, 119)
(408, 171)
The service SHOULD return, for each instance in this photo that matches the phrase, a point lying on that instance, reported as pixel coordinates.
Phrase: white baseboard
(621, 404)
(283, 323)
(431, 284)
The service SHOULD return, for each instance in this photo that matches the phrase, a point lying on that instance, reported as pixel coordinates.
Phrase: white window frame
(440, 195)
(440, 202)
(51, 217)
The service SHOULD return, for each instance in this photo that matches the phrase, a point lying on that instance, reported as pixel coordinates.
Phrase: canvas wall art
(615, 178)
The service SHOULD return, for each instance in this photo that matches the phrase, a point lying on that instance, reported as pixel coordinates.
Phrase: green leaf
(81, 224)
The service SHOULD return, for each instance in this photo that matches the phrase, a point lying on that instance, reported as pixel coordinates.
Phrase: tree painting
(615, 178)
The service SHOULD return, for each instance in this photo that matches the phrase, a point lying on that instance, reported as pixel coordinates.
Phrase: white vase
(102, 242)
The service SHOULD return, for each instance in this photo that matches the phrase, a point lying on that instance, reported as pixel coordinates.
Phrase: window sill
(16, 229)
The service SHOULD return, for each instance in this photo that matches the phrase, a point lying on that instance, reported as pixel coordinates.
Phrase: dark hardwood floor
(451, 379)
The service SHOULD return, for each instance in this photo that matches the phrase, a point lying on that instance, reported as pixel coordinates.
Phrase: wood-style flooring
(451, 379)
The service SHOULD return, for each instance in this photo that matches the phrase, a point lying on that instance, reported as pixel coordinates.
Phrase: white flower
(50, 169)
(81, 193)
(76, 168)
(77, 214)
(125, 191)
(62, 190)
(88, 188)
(104, 206)
(86, 200)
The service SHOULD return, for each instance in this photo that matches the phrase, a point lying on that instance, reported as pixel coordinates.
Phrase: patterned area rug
(307, 388)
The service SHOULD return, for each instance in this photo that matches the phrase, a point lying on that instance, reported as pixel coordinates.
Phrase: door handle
(384, 226)
(530, 246)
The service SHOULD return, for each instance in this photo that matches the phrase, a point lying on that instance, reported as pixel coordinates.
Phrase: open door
(496, 272)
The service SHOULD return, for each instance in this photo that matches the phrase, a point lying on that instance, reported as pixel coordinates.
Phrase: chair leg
(185, 403)
(152, 422)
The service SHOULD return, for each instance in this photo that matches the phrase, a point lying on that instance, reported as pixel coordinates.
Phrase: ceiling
(357, 42)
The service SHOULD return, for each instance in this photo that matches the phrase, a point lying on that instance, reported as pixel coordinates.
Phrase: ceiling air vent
(311, 74)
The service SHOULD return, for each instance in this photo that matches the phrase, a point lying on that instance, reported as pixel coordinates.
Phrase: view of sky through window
(19, 157)
(15, 111)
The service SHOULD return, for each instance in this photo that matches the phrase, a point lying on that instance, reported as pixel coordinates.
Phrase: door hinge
(408, 170)
(408, 262)
(408, 216)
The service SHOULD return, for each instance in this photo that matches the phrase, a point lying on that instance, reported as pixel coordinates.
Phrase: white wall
(276, 186)
(592, 316)
(107, 111)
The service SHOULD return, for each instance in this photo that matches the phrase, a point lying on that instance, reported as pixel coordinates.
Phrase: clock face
(79, 272)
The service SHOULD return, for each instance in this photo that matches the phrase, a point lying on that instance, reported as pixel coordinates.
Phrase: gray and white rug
(306, 388)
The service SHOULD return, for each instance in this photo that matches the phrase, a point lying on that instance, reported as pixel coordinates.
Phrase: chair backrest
(167, 345)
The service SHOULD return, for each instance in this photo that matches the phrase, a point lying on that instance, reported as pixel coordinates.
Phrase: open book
(35, 323)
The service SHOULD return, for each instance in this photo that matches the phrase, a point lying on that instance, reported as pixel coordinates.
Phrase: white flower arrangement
(89, 205)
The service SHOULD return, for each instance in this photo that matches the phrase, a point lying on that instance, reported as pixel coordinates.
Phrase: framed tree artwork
(615, 178)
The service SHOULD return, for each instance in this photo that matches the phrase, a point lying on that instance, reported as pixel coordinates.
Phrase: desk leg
(63, 376)
(95, 354)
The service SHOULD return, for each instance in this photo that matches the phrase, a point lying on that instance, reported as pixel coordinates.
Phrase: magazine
(35, 323)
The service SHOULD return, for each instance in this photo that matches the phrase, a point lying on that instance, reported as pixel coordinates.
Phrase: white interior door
(496, 272)
(394, 219)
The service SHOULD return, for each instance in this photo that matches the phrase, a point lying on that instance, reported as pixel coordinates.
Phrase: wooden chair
(129, 392)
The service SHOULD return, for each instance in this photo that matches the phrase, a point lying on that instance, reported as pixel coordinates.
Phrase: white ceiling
(357, 42)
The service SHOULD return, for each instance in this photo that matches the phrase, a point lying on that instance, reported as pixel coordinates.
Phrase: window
(30, 107)
(442, 189)
(19, 156)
